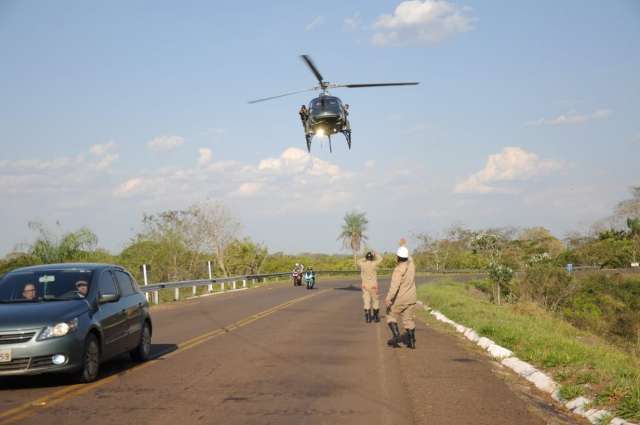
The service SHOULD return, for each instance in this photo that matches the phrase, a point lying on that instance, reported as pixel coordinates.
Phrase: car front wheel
(90, 360)
(142, 351)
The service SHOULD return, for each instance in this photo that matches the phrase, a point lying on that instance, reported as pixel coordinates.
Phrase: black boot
(411, 338)
(393, 342)
(376, 317)
(367, 316)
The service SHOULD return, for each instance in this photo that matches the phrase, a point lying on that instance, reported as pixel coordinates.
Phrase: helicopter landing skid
(347, 135)
(308, 137)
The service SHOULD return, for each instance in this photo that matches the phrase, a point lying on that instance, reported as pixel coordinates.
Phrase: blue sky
(527, 114)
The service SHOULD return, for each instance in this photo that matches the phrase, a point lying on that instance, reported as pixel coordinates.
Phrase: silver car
(70, 318)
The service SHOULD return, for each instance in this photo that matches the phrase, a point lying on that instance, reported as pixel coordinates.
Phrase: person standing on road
(368, 271)
(401, 300)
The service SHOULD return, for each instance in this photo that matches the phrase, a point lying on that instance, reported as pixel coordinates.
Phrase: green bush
(547, 285)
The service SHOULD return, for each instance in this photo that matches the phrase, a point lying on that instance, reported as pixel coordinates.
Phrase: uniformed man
(368, 271)
(304, 117)
(401, 300)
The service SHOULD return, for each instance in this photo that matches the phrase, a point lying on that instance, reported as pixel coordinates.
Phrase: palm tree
(353, 232)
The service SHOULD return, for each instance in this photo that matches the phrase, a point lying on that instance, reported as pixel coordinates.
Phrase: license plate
(5, 356)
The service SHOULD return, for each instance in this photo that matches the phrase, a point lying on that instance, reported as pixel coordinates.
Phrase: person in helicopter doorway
(346, 125)
(401, 300)
(304, 117)
(369, 273)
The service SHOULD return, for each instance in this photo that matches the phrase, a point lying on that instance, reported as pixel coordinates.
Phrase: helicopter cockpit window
(325, 105)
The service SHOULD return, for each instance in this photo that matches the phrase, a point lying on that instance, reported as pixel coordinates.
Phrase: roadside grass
(581, 362)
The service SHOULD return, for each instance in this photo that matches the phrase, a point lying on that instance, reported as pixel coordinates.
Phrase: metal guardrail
(222, 281)
(244, 281)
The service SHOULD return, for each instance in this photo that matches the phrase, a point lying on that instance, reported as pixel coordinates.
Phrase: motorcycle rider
(368, 272)
(401, 300)
(296, 274)
(310, 274)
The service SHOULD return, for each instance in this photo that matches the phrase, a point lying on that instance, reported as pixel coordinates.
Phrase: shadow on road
(349, 288)
(114, 366)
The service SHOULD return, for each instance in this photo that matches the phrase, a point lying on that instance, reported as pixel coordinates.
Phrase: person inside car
(82, 286)
(29, 291)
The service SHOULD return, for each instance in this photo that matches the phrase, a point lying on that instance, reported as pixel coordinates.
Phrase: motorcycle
(310, 280)
(297, 278)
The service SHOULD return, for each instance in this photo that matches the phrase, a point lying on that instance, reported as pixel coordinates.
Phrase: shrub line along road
(284, 355)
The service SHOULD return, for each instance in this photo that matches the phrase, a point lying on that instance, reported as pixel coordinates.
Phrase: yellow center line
(32, 407)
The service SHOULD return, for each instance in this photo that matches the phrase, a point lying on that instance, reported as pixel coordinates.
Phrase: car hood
(35, 315)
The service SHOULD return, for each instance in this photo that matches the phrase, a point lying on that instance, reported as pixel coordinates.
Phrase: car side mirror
(108, 298)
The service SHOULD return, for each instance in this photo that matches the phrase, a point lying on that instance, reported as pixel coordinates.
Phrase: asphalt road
(284, 355)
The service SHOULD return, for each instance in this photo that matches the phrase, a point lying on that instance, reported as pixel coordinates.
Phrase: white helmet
(403, 252)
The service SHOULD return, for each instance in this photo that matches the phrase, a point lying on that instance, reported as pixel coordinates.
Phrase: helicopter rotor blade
(313, 68)
(357, 86)
(282, 95)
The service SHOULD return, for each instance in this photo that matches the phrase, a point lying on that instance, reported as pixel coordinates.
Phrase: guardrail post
(176, 294)
(244, 283)
(234, 285)
(156, 298)
(210, 287)
(146, 280)
(221, 286)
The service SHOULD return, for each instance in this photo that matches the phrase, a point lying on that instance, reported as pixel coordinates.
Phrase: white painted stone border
(538, 378)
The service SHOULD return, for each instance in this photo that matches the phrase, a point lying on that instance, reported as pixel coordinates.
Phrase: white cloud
(75, 175)
(204, 156)
(421, 22)
(353, 23)
(298, 161)
(101, 149)
(317, 21)
(129, 188)
(511, 164)
(165, 143)
(104, 154)
(572, 118)
(248, 188)
(370, 163)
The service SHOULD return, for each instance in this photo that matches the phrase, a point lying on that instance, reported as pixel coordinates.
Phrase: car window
(106, 284)
(124, 283)
(44, 285)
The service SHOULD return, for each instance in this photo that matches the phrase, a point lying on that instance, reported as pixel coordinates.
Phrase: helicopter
(326, 114)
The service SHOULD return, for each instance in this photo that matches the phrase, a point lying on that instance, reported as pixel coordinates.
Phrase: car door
(112, 317)
(132, 305)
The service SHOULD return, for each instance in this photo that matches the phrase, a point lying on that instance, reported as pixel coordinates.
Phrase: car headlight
(60, 329)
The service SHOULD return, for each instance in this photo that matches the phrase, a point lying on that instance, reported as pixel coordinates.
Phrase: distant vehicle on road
(70, 318)
(310, 278)
(297, 278)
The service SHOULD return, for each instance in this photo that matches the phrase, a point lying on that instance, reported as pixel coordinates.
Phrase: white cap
(403, 252)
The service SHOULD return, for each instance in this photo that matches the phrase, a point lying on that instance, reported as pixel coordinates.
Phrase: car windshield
(45, 285)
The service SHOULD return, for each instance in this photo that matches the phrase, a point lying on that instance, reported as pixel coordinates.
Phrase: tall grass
(582, 362)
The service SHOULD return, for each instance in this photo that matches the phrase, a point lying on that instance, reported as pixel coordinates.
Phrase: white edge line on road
(538, 378)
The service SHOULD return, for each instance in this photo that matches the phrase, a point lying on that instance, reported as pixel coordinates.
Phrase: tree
(501, 276)
(244, 257)
(353, 232)
(70, 246)
(218, 227)
(435, 250)
(634, 234)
